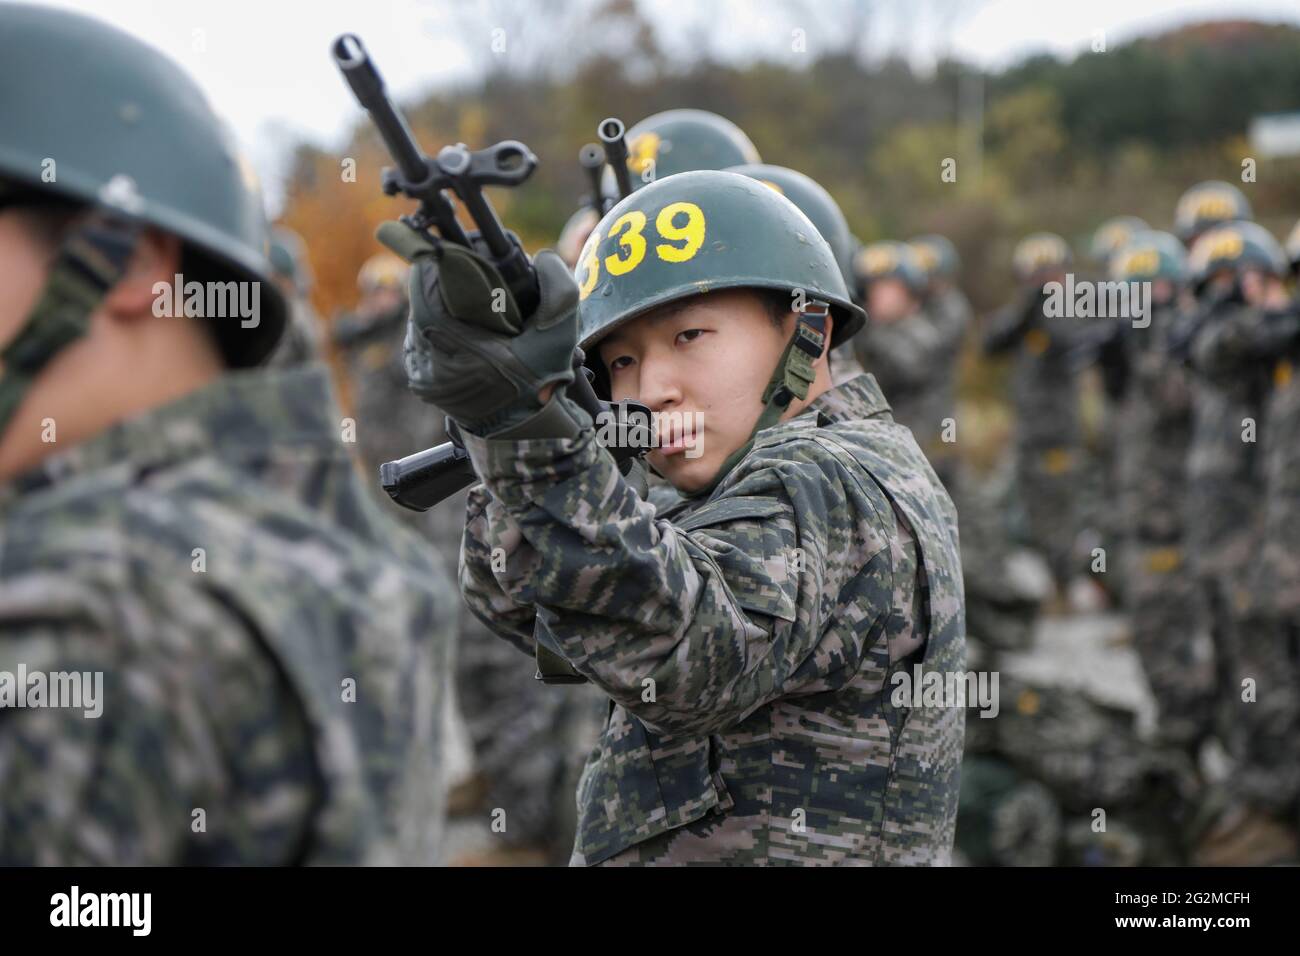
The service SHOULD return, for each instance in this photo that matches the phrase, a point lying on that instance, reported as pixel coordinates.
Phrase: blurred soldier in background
(1044, 395)
(302, 337)
(527, 738)
(1153, 427)
(1240, 269)
(950, 311)
(272, 648)
(902, 346)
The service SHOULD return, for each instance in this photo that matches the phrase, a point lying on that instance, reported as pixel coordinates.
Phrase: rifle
(592, 160)
(421, 480)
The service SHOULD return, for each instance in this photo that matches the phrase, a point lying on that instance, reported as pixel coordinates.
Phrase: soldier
(747, 636)
(950, 311)
(292, 272)
(1243, 389)
(1044, 395)
(1154, 431)
(910, 355)
(178, 529)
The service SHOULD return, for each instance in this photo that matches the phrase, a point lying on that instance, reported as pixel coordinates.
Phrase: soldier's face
(24, 265)
(889, 300)
(701, 365)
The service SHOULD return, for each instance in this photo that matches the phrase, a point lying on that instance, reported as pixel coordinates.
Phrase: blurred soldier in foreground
(1044, 395)
(1244, 441)
(302, 336)
(271, 649)
(745, 638)
(910, 354)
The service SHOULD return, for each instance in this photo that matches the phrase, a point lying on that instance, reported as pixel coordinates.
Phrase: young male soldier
(747, 637)
(250, 656)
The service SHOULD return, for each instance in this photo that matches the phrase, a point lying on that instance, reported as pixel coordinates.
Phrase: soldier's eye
(690, 335)
(620, 363)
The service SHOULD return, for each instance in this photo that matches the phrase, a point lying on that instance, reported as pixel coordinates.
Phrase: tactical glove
(470, 352)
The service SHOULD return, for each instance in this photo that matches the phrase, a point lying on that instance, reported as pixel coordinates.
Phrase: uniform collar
(860, 397)
(244, 415)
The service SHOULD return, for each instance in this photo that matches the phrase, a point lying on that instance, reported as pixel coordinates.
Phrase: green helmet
(889, 259)
(1150, 255)
(679, 141)
(1235, 246)
(697, 232)
(1112, 235)
(1206, 205)
(93, 115)
(814, 202)
(700, 231)
(1293, 246)
(1038, 253)
(937, 256)
(288, 257)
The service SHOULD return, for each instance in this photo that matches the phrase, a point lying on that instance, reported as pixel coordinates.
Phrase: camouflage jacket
(272, 649)
(747, 641)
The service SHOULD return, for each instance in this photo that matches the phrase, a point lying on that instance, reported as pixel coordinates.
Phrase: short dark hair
(778, 303)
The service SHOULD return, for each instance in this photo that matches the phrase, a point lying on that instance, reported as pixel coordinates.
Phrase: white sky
(266, 67)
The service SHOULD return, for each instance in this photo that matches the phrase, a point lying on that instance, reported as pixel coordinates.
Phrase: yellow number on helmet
(592, 265)
(630, 225)
(1141, 262)
(691, 232)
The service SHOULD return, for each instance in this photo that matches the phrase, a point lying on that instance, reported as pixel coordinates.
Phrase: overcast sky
(267, 69)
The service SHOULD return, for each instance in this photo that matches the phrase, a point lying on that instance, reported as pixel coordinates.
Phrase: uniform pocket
(643, 784)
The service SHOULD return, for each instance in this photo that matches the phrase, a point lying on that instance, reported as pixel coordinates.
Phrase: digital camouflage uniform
(1044, 396)
(226, 670)
(767, 618)
(1275, 744)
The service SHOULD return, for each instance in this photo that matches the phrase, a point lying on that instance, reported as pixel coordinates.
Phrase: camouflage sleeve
(488, 528)
(690, 626)
(119, 779)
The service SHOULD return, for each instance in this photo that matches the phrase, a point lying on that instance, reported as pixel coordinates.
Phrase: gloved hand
(470, 352)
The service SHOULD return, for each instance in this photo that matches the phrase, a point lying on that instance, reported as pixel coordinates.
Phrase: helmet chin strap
(792, 378)
(91, 260)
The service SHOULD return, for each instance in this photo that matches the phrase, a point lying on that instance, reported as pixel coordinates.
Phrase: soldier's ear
(154, 264)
